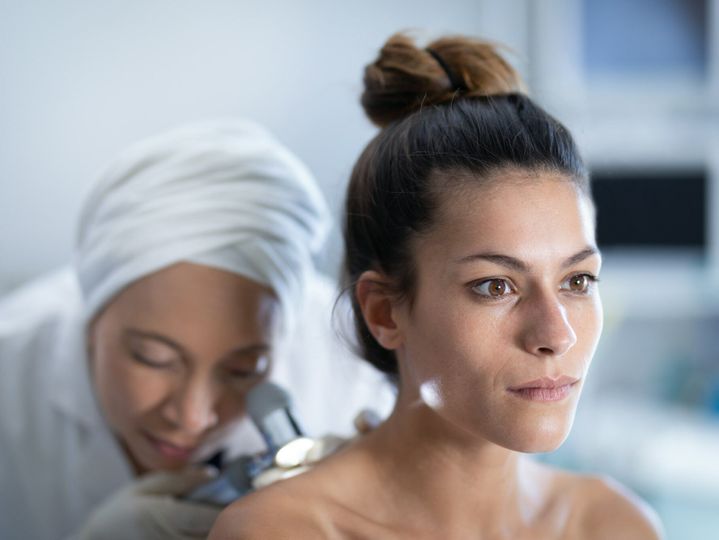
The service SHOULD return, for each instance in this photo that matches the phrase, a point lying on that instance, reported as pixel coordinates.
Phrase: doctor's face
(506, 314)
(172, 357)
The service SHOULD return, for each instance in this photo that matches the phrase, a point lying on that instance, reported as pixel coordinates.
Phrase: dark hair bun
(405, 78)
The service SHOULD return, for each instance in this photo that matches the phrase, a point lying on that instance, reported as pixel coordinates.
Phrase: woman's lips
(545, 388)
(171, 450)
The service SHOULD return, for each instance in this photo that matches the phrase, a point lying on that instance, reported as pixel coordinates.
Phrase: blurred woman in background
(193, 281)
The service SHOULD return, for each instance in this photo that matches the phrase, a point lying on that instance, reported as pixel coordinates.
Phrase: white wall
(80, 80)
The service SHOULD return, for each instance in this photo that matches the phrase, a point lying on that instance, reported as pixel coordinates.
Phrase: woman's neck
(441, 474)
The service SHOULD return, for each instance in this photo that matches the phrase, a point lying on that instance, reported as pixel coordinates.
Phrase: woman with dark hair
(472, 267)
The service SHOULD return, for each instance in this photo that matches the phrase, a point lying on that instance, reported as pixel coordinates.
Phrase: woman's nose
(547, 330)
(193, 407)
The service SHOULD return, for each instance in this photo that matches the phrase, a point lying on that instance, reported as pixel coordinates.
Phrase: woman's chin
(541, 446)
(539, 438)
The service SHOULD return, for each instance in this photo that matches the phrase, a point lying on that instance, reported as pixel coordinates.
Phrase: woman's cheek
(137, 389)
(588, 322)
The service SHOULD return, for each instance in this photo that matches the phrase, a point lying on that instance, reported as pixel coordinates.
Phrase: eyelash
(259, 370)
(592, 280)
(150, 363)
(243, 374)
(235, 374)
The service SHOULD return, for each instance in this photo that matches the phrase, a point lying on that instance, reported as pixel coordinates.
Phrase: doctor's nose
(548, 331)
(193, 407)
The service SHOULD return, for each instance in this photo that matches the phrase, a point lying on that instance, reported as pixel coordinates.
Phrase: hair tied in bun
(456, 82)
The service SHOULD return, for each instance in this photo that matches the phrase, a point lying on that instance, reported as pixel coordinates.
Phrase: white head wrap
(222, 194)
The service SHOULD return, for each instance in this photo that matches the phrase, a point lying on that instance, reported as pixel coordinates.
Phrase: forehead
(534, 216)
(187, 296)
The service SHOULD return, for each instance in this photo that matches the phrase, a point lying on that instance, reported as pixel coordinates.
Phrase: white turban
(223, 194)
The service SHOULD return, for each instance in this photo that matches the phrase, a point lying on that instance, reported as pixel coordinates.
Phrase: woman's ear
(378, 305)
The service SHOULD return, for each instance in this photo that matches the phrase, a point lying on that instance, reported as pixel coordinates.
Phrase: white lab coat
(58, 460)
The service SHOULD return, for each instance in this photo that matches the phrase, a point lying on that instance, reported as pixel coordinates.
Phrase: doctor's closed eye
(249, 364)
(152, 352)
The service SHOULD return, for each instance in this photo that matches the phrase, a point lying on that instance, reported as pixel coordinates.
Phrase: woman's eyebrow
(520, 266)
(249, 349)
(579, 257)
(253, 348)
(496, 258)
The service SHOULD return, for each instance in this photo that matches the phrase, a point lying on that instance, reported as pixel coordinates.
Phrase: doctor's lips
(171, 450)
(545, 388)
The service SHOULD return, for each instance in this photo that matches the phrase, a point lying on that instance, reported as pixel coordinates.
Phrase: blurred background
(636, 81)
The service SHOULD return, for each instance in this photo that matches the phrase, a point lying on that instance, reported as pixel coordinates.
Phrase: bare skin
(358, 495)
(172, 357)
(505, 295)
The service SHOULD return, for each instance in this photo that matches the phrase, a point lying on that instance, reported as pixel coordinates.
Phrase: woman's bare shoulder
(309, 506)
(277, 511)
(609, 510)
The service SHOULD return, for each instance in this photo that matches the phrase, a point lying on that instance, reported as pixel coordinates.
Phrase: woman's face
(173, 356)
(506, 314)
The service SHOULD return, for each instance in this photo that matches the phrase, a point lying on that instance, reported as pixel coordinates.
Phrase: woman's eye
(493, 288)
(241, 373)
(236, 374)
(250, 369)
(152, 362)
(579, 283)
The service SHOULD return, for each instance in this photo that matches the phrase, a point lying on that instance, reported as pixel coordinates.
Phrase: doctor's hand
(149, 509)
